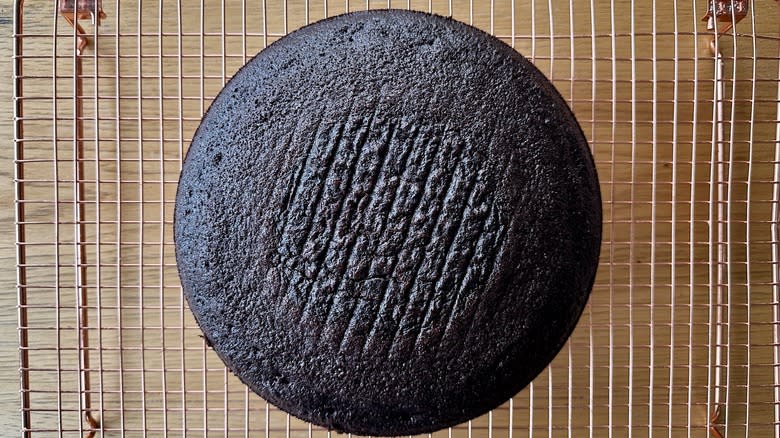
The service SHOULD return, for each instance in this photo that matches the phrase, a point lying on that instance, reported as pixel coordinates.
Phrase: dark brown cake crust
(388, 223)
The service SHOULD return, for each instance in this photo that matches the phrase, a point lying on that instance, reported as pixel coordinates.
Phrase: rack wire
(681, 336)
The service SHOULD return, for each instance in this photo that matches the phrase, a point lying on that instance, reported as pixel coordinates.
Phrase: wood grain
(9, 356)
(650, 322)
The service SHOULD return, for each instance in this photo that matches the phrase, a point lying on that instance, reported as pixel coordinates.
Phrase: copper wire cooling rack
(679, 101)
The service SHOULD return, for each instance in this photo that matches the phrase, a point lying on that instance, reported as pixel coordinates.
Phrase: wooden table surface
(614, 185)
(9, 356)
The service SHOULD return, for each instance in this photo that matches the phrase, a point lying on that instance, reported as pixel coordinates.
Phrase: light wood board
(644, 96)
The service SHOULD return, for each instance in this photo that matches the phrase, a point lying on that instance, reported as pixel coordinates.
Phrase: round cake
(387, 223)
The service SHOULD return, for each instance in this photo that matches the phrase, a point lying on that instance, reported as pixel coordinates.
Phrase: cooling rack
(679, 101)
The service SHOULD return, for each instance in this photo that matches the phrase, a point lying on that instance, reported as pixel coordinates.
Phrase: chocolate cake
(387, 223)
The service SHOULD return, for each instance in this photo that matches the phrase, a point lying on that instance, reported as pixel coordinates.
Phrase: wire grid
(680, 337)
